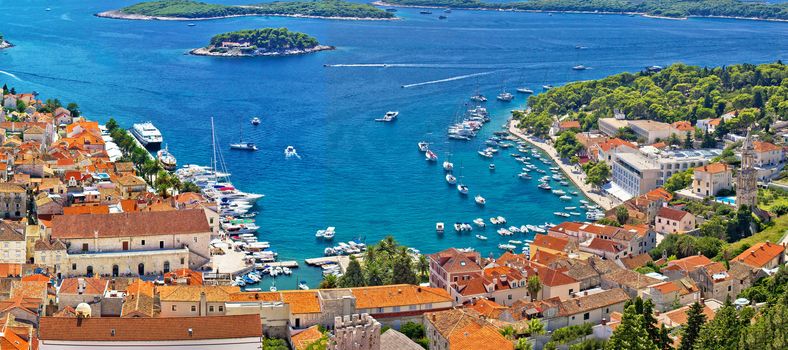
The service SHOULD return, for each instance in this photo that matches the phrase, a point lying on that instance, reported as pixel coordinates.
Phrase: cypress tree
(353, 276)
(630, 334)
(695, 320)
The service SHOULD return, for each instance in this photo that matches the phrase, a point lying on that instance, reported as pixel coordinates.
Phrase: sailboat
(241, 145)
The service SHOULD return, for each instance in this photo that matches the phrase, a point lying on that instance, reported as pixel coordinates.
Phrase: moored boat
(167, 160)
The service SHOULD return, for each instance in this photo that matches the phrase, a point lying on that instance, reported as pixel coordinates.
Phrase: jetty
(342, 260)
(290, 264)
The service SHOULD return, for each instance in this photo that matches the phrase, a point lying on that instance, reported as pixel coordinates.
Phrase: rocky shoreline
(386, 4)
(205, 51)
(128, 16)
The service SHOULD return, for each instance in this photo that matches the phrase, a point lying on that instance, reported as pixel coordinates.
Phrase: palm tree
(535, 327)
(328, 282)
(534, 286)
(388, 245)
(423, 266)
(189, 186)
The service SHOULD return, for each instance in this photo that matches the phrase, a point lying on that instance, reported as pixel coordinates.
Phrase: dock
(290, 264)
(342, 260)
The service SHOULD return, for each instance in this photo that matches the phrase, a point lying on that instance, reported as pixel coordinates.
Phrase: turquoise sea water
(367, 179)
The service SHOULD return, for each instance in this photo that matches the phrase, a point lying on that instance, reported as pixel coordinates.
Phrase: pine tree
(688, 141)
(402, 270)
(630, 334)
(353, 276)
(768, 330)
(723, 331)
(695, 320)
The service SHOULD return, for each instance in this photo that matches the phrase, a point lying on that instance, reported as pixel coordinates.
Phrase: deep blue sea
(368, 179)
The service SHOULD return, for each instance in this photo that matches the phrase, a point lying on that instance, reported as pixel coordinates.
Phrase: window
(380, 310)
(195, 239)
(571, 291)
(221, 308)
(161, 244)
(173, 308)
(181, 261)
(586, 316)
(396, 309)
(73, 266)
(142, 242)
(573, 317)
(510, 297)
(194, 308)
(210, 308)
(607, 310)
(413, 307)
(84, 247)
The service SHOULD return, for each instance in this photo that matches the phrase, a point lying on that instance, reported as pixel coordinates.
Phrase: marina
(358, 175)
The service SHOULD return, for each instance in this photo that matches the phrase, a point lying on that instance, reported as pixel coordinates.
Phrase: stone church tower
(747, 181)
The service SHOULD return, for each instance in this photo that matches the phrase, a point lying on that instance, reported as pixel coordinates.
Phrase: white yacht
(447, 165)
(290, 151)
(463, 189)
(389, 117)
(524, 90)
(424, 146)
(431, 156)
(451, 179)
(480, 200)
(505, 97)
(478, 98)
(244, 146)
(439, 227)
(147, 134)
(255, 121)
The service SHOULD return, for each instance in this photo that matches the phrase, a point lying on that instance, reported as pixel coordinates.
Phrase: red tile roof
(683, 126)
(615, 142)
(550, 242)
(672, 214)
(689, 263)
(552, 278)
(760, 254)
(713, 168)
(453, 260)
(761, 146)
(130, 224)
(150, 328)
(569, 124)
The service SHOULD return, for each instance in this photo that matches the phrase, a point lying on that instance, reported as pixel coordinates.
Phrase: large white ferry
(147, 134)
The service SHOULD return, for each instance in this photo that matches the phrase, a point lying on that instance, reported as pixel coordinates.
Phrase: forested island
(195, 10)
(757, 93)
(662, 8)
(261, 42)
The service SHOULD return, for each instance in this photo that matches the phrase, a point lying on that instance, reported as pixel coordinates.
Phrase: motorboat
(431, 156)
(462, 189)
(504, 232)
(290, 151)
(501, 220)
(147, 134)
(574, 213)
(439, 227)
(506, 246)
(491, 166)
(479, 222)
(478, 98)
(514, 229)
(303, 286)
(547, 87)
(255, 121)
(389, 117)
(559, 213)
(565, 198)
(505, 97)
(524, 176)
(544, 186)
(579, 67)
(425, 12)
(570, 208)
(166, 159)
(191, 25)
(515, 241)
(559, 192)
(483, 238)
(442, 17)
(448, 166)
(424, 146)
(451, 179)
(524, 90)
(244, 146)
(480, 200)
(485, 154)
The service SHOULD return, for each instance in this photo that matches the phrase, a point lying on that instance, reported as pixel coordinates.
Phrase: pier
(290, 264)
(342, 260)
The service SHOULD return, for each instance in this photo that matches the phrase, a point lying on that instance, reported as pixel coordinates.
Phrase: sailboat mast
(214, 159)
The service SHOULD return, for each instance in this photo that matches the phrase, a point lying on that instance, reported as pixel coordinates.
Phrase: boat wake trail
(459, 77)
(10, 75)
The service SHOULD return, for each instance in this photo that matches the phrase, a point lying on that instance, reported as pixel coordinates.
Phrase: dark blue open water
(365, 178)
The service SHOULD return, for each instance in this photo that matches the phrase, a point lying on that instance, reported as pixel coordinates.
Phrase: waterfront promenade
(573, 172)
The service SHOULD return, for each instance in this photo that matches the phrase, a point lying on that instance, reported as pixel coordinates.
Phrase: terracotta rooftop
(760, 254)
(604, 245)
(679, 316)
(634, 262)
(761, 146)
(130, 224)
(713, 168)
(476, 285)
(192, 293)
(672, 214)
(89, 286)
(629, 278)
(150, 329)
(594, 301)
(139, 300)
(666, 287)
(567, 226)
(488, 308)
(29, 289)
(464, 329)
(398, 295)
(453, 260)
(86, 209)
(552, 278)
(303, 339)
(550, 242)
(303, 301)
(569, 124)
(615, 142)
(689, 263)
(661, 193)
(683, 126)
